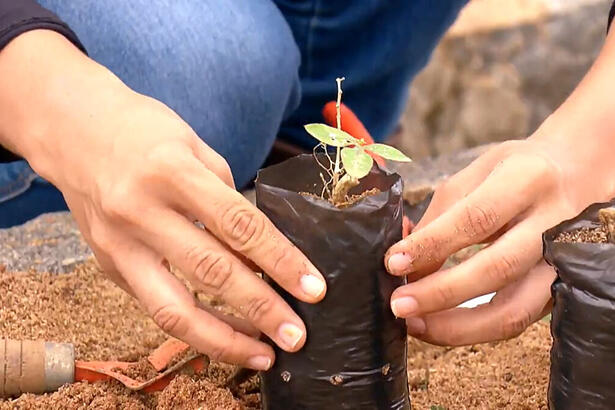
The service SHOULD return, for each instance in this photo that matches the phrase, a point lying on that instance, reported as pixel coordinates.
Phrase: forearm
(582, 130)
(49, 91)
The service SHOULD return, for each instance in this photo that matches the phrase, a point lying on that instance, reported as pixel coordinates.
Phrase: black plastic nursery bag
(583, 320)
(355, 353)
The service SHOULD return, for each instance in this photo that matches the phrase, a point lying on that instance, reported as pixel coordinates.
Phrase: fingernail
(404, 306)
(259, 363)
(312, 285)
(290, 334)
(416, 326)
(399, 263)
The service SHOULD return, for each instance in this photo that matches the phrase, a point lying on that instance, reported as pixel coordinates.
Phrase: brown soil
(143, 370)
(105, 324)
(140, 371)
(82, 308)
(584, 235)
(179, 357)
(350, 199)
(507, 375)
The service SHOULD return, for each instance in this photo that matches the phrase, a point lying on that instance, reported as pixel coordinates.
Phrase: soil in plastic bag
(355, 353)
(583, 319)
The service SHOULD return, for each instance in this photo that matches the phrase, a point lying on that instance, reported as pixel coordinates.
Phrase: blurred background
(500, 71)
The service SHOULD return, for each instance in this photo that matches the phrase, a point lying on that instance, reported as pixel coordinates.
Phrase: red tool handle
(349, 121)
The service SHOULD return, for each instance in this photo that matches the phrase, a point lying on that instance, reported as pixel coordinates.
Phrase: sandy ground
(85, 309)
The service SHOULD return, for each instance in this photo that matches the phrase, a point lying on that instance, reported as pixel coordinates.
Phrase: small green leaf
(330, 136)
(357, 162)
(387, 152)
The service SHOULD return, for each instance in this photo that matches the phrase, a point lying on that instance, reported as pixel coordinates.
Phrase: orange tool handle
(83, 374)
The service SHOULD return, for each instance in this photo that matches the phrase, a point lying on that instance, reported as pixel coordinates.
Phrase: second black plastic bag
(583, 319)
(355, 353)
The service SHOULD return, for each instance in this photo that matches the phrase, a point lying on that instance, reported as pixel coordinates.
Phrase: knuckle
(444, 191)
(258, 308)
(221, 352)
(163, 162)
(283, 259)
(444, 294)
(440, 192)
(243, 227)
(118, 203)
(170, 320)
(481, 220)
(166, 157)
(212, 269)
(427, 249)
(222, 169)
(507, 147)
(515, 322)
(504, 269)
(546, 171)
(99, 235)
(447, 335)
(218, 353)
(538, 166)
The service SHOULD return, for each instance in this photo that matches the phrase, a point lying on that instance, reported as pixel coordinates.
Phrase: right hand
(135, 177)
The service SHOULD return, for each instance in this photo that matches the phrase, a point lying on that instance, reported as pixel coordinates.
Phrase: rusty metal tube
(34, 367)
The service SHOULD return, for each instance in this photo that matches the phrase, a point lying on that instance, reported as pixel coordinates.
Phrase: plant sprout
(352, 160)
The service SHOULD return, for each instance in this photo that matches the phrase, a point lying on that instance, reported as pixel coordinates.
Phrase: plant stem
(607, 218)
(338, 108)
(340, 190)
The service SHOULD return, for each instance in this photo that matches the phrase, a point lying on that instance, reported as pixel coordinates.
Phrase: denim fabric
(241, 72)
(377, 45)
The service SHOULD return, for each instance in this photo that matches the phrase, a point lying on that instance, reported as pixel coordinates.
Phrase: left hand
(507, 198)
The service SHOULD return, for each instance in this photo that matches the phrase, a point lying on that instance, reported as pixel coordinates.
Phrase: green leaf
(330, 136)
(357, 162)
(387, 152)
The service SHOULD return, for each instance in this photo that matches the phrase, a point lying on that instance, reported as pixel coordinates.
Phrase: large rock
(500, 71)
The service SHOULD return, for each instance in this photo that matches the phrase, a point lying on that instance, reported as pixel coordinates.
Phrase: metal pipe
(34, 367)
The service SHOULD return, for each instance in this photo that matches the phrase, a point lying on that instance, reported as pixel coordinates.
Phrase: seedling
(355, 353)
(581, 251)
(352, 156)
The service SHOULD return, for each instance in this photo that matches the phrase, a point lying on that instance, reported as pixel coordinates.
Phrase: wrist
(583, 148)
(580, 134)
(50, 94)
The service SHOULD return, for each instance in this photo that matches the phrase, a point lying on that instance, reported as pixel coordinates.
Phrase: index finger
(175, 311)
(506, 192)
(246, 230)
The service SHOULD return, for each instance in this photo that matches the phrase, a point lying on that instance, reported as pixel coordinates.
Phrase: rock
(423, 176)
(475, 119)
(500, 71)
(48, 243)
(69, 264)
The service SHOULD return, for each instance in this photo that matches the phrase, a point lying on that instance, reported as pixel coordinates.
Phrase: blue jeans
(242, 73)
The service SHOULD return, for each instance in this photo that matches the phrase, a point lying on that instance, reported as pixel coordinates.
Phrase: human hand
(135, 177)
(506, 198)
